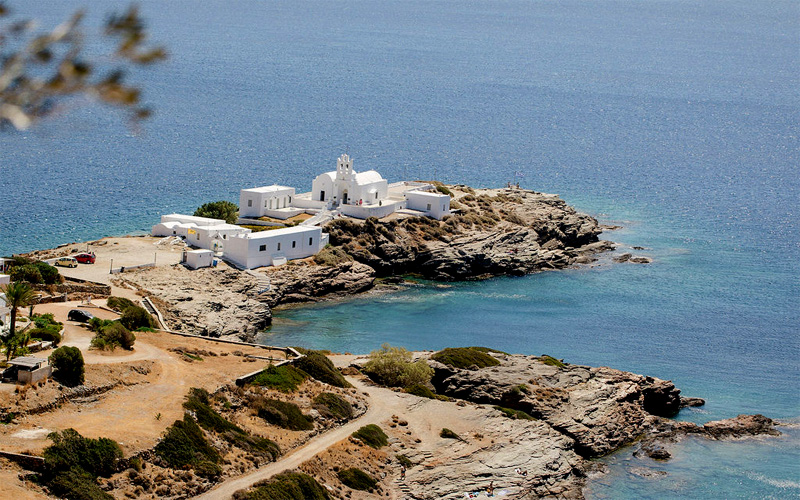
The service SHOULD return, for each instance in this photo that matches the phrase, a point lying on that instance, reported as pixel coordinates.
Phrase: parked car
(85, 258)
(79, 315)
(67, 262)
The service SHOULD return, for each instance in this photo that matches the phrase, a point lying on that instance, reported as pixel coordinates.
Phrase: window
(279, 247)
(429, 207)
(311, 241)
(265, 203)
(224, 236)
(262, 248)
(294, 244)
(376, 196)
(249, 203)
(290, 199)
(198, 236)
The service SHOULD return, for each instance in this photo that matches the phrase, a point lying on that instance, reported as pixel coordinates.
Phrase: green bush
(50, 333)
(97, 457)
(448, 434)
(372, 436)
(357, 479)
(113, 335)
(224, 210)
(36, 272)
(284, 378)
(332, 256)
(444, 190)
(550, 360)
(119, 304)
(424, 392)
(465, 357)
(284, 414)
(332, 406)
(286, 486)
(514, 414)
(134, 317)
(67, 364)
(198, 401)
(404, 461)
(76, 484)
(256, 445)
(318, 366)
(184, 445)
(393, 366)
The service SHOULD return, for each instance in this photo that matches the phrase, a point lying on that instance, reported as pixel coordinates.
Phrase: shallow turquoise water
(676, 119)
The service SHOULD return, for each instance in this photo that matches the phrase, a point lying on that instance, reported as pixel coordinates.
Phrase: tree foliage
(68, 365)
(18, 294)
(224, 210)
(41, 70)
(393, 366)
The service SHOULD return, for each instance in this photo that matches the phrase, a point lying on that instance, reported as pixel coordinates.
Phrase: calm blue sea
(677, 119)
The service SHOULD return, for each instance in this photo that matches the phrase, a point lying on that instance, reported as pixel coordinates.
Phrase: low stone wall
(28, 462)
(95, 289)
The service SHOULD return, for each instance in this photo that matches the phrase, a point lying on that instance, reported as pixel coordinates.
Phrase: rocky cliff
(492, 233)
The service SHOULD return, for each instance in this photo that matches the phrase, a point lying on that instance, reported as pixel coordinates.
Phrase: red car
(85, 258)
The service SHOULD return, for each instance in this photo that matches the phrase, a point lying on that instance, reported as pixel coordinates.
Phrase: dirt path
(383, 404)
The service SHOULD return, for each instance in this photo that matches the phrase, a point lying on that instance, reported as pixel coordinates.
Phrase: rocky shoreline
(570, 414)
(494, 232)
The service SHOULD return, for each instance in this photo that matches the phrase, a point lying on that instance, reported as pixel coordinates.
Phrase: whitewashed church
(341, 192)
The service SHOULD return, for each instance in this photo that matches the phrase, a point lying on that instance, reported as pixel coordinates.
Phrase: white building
(271, 201)
(275, 247)
(196, 259)
(5, 314)
(435, 205)
(202, 232)
(345, 186)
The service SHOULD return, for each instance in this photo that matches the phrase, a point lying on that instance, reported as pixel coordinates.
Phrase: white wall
(199, 258)
(258, 249)
(257, 201)
(204, 236)
(191, 219)
(323, 182)
(436, 205)
(364, 211)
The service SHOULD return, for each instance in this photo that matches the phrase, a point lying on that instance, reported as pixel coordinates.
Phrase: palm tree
(18, 294)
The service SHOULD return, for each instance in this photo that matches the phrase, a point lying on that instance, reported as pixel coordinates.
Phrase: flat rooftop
(283, 231)
(267, 189)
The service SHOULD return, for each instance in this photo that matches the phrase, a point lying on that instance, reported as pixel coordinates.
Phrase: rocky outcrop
(305, 282)
(213, 302)
(602, 409)
(495, 232)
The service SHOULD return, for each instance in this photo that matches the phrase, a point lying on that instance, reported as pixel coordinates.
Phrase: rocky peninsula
(494, 232)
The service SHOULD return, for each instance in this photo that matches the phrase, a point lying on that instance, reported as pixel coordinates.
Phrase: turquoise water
(676, 119)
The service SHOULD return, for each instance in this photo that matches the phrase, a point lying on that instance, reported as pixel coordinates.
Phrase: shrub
(76, 484)
(97, 457)
(321, 368)
(332, 406)
(550, 360)
(404, 461)
(185, 445)
(448, 434)
(134, 317)
(67, 364)
(424, 392)
(332, 256)
(46, 328)
(357, 479)
(255, 445)
(444, 190)
(284, 378)
(284, 414)
(28, 273)
(35, 272)
(515, 414)
(372, 436)
(392, 366)
(119, 304)
(198, 401)
(225, 210)
(286, 486)
(465, 357)
(112, 335)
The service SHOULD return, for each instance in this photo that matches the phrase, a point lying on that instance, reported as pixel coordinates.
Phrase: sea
(677, 120)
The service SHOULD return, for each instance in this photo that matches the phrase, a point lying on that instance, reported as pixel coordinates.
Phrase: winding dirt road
(383, 404)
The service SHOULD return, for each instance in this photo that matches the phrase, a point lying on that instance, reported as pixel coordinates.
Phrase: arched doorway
(344, 197)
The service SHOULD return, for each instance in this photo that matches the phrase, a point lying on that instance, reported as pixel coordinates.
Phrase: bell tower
(344, 168)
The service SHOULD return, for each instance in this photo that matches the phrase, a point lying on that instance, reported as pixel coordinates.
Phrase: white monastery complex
(339, 193)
